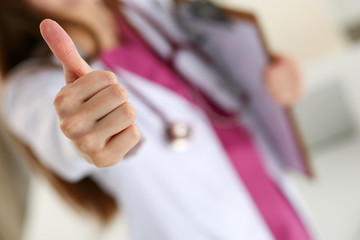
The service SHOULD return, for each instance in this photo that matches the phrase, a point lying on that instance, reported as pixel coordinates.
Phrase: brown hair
(20, 40)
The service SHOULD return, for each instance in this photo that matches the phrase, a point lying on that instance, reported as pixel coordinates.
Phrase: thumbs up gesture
(92, 107)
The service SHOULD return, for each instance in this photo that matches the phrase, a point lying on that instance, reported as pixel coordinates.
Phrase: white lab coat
(164, 194)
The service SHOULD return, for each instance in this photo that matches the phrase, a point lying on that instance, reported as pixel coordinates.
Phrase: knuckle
(102, 161)
(72, 126)
(109, 77)
(63, 102)
(59, 100)
(99, 163)
(119, 92)
(89, 145)
(66, 127)
(135, 134)
(67, 51)
(129, 111)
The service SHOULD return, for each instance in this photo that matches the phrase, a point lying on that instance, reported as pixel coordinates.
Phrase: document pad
(234, 42)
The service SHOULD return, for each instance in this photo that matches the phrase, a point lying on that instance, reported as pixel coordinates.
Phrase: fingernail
(47, 26)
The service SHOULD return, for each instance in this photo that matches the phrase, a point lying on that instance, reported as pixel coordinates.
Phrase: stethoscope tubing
(225, 121)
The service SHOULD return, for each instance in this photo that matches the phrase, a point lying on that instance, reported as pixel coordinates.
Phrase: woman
(216, 188)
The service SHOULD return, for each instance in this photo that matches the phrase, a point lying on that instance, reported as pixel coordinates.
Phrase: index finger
(64, 49)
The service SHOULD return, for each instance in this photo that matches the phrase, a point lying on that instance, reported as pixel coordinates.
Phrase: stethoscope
(177, 133)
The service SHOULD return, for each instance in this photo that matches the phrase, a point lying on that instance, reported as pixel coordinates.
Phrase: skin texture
(60, 5)
(283, 81)
(92, 13)
(92, 107)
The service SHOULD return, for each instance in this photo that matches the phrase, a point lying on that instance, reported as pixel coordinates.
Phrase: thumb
(64, 49)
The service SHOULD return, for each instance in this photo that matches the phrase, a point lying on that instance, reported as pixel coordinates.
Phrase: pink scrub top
(135, 55)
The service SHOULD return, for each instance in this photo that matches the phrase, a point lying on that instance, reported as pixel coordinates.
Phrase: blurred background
(324, 36)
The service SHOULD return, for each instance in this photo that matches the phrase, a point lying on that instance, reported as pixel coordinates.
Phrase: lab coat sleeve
(28, 110)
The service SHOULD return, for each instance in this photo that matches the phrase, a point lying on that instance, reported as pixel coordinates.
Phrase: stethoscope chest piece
(178, 135)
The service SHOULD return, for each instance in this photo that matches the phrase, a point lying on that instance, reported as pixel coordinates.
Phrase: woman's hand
(92, 107)
(283, 81)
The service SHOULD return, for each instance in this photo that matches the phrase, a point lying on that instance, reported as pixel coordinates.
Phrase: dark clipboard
(287, 141)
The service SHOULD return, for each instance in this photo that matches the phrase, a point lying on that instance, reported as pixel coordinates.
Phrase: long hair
(20, 40)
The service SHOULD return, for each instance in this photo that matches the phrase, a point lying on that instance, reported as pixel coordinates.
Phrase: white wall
(345, 11)
(303, 29)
